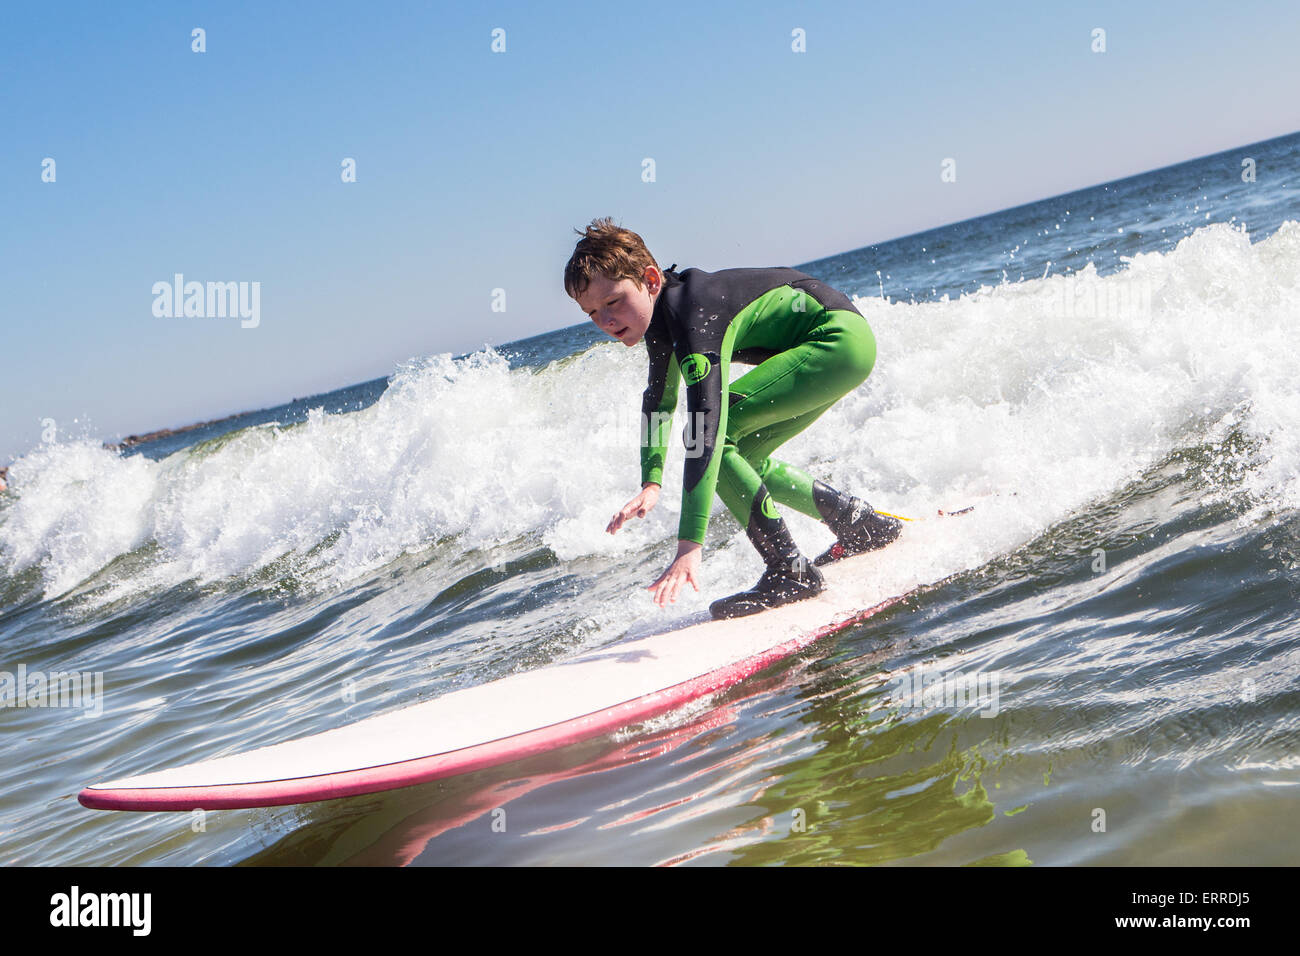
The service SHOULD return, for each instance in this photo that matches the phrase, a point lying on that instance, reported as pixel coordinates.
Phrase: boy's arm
(657, 406)
(704, 356)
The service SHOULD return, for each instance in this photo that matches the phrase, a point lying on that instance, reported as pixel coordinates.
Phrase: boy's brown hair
(611, 250)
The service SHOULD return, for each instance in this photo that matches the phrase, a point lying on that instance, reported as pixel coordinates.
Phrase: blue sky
(474, 167)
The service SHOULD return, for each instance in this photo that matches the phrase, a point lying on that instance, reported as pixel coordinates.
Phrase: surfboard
(593, 693)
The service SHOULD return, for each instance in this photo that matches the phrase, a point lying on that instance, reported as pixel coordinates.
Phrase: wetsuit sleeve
(703, 356)
(657, 406)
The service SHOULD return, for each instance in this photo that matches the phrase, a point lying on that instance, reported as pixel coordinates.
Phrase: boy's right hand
(638, 507)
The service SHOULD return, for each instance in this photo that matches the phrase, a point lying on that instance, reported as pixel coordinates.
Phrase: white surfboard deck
(594, 693)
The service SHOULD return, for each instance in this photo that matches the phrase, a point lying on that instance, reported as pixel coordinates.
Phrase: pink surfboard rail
(498, 722)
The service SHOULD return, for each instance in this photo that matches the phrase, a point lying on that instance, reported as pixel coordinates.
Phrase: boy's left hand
(685, 568)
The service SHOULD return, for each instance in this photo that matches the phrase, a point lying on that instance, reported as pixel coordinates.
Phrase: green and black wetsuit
(810, 346)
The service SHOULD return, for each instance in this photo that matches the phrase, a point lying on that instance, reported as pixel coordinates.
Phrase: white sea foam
(1005, 398)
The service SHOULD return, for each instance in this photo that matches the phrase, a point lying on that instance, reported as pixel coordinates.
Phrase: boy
(810, 346)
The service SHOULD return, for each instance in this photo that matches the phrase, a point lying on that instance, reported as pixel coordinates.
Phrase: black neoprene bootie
(858, 527)
(778, 586)
(789, 576)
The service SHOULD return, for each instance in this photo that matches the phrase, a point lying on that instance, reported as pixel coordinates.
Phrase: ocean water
(1109, 377)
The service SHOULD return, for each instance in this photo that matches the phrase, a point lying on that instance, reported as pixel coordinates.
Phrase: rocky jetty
(131, 440)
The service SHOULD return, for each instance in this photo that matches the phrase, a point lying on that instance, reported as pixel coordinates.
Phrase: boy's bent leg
(789, 576)
(753, 505)
(767, 406)
(789, 485)
(784, 395)
(824, 369)
(807, 378)
(746, 470)
(857, 526)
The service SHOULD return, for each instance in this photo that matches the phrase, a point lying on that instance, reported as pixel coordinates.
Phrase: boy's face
(619, 308)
